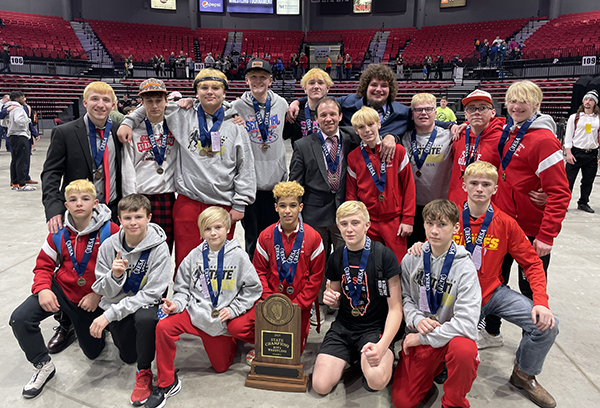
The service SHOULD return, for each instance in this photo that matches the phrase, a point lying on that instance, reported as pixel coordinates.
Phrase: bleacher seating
(397, 39)
(40, 36)
(356, 42)
(276, 43)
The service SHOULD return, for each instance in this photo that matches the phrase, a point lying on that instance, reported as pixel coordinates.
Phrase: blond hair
(210, 72)
(364, 116)
(316, 73)
(81, 186)
(483, 169)
(525, 92)
(351, 208)
(288, 189)
(101, 88)
(213, 214)
(422, 98)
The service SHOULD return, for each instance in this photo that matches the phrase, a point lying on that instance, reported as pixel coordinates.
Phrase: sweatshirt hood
(247, 99)
(227, 108)
(155, 235)
(461, 253)
(542, 121)
(100, 216)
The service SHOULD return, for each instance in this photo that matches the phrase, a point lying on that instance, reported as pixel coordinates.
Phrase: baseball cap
(478, 95)
(152, 85)
(174, 96)
(257, 63)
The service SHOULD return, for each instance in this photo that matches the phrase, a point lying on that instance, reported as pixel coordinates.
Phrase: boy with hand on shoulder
(387, 189)
(63, 278)
(365, 286)
(132, 284)
(215, 284)
(441, 299)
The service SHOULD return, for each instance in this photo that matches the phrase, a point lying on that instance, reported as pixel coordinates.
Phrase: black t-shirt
(373, 307)
(298, 129)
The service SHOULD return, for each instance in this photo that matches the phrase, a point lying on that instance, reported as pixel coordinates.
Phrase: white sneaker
(250, 357)
(486, 340)
(43, 372)
(26, 188)
(313, 315)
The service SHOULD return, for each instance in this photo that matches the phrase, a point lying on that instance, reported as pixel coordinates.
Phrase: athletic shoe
(159, 395)
(250, 356)
(313, 315)
(142, 388)
(486, 340)
(30, 181)
(26, 188)
(14, 186)
(42, 373)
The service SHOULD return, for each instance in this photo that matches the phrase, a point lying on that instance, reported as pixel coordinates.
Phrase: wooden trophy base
(277, 377)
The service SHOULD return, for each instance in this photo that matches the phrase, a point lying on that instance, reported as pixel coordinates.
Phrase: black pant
(588, 163)
(25, 323)
(258, 216)
(134, 336)
(492, 322)
(20, 159)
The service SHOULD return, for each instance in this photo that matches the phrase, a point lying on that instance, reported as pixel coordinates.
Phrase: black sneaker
(586, 208)
(43, 372)
(159, 395)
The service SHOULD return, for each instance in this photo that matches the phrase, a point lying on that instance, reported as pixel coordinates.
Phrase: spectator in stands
(172, 61)
(5, 59)
(189, 65)
(484, 50)
(493, 54)
(348, 66)
(512, 45)
(477, 44)
(367, 57)
(497, 41)
(400, 67)
(180, 63)
(294, 64)
(18, 136)
(339, 61)
(501, 53)
(4, 123)
(328, 65)
(439, 67)
(128, 67)
(123, 103)
(161, 65)
(444, 113)
(280, 68)
(303, 61)
(155, 64)
(581, 145)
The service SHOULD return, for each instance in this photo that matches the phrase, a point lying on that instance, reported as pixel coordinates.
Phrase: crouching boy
(132, 273)
(441, 299)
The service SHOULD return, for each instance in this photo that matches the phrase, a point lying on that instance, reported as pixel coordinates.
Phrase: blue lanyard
(203, 128)
(98, 152)
(379, 181)
(468, 158)
(80, 267)
(286, 266)
(419, 161)
(159, 154)
(263, 122)
(434, 296)
(513, 147)
(356, 290)
(332, 164)
(467, 227)
(139, 271)
(308, 119)
(214, 297)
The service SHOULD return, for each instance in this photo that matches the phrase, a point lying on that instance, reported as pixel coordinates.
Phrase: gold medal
(381, 197)
(98, 174)
(503, 176)
(81, 281)
(355, 312)
(289, 290)
(419, 173)
(202, 153)
(265, 147)
(280, 287)
(215, 313)
(160, 170)
(434, 318)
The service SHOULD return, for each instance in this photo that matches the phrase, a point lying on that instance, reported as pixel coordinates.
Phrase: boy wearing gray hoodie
(216, 283)
(132, 273)
(441, 298)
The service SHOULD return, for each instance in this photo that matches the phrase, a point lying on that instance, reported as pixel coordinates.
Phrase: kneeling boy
(63, 278)
(132, 284)
(216, 283)
(441, 299)
(365, 286)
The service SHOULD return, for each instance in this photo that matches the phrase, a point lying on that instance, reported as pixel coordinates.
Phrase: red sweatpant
(243, 327)
(185, 220)
(220, 349)
(385, 232)
(415, 372)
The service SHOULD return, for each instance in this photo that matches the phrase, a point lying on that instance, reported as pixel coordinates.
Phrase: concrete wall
(46, 7)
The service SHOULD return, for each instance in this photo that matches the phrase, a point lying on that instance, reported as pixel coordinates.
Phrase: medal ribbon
(355, 290)
(482, 231)
(202, 126)
(434, 297)
(137, 274)
(98, 152)
(468, 158)
(379, 181)
(513, 147)
(286, 266)
(159, 154)
(419, 161)
(214, 297)
(80, 267)
(332, 164)
(263, 122)
(308, 119)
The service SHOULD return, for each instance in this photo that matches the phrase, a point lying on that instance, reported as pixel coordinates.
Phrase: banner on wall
(250, 6)
(164, 4)
(362, 6)
(288, 7)
(211, 6)
(452, 3)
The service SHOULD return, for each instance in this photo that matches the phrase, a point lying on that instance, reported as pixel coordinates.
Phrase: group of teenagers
(368, 176)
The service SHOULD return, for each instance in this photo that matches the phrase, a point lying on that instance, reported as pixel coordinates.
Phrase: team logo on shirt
(365, 298)
(254, 132)
(145, 148)
(228, 282)
(447, 298)
(489, 242)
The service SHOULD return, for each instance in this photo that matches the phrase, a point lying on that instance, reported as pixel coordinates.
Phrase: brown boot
(534, 390)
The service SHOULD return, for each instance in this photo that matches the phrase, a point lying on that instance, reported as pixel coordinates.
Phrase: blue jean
(516, 308)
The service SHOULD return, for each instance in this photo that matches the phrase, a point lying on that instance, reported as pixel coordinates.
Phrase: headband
(210, 78)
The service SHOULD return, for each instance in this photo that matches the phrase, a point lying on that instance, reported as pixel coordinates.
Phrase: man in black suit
(70, 157)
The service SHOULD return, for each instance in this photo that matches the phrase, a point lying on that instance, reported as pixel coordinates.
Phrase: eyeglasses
(481, 109)
(426, 110)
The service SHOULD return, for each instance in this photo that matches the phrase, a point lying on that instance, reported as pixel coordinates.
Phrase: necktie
(334, 181)
(106, 168)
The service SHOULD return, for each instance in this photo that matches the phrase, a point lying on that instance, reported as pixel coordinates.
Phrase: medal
(79, 267)
(355, 312)
(160, 170)
(263, 122)
(420, 160)
(215, 313)
(202, 153)
(205, 133)
(332, 163)
(214, 295)
(333, 178)
(98, 151)
(381, 197)
(210, 153)
(280, 287)
(378, 180)
(503, 176)
(355, 289)
(290, 290)
(434, 318)
(286, 265)
(81, 281)
(435, 294)
(98, 174)
(265, 147)
(136, 274)
(419, 173)
(158, 151)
